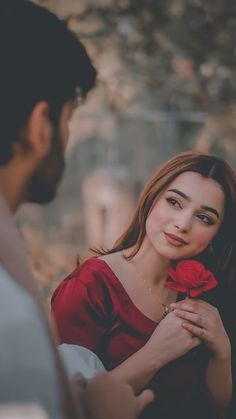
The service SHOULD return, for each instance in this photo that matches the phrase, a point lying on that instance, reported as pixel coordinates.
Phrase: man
(43, 68)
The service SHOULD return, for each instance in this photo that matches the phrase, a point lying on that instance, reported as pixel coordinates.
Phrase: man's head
(43, 67)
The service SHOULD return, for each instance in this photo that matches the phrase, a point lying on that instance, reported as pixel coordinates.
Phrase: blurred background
(166, 83)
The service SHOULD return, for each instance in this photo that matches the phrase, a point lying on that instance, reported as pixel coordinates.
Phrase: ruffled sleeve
(82, 307)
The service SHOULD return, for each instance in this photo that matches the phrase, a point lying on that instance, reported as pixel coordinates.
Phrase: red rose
(190, 277)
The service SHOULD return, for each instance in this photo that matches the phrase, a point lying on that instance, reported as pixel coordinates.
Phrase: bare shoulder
(111, 257)
(114, 260)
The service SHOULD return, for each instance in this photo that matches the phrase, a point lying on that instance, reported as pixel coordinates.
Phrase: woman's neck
(150, 264)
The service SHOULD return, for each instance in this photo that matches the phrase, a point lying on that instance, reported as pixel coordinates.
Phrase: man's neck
(12, 188)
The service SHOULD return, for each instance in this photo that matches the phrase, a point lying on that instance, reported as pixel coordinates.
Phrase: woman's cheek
(205, 237)
(159, 214)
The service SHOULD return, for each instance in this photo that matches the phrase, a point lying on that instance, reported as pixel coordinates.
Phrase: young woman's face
(186, 217)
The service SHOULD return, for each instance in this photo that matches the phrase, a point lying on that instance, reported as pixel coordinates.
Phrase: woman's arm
(219, 380)
(138, 369)
(169, 341)
(204, 321)
(83, 315)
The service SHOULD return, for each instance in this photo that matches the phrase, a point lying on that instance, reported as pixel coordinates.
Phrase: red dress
(92, 309)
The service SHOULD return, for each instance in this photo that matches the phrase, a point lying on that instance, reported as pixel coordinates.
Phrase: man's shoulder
(27, 359)
(13, 297)
(19, 313)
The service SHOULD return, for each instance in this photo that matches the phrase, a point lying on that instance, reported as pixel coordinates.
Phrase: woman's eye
(205, 219)
(173, 202)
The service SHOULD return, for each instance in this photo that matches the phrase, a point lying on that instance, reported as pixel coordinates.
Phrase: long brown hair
(222, 261)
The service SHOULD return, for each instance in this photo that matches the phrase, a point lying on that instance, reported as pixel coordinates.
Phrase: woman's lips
(175, 240)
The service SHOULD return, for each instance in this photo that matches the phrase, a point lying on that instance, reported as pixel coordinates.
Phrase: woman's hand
(203, 321)
(170, 340)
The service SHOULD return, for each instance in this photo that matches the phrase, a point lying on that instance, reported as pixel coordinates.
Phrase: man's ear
(39, 130)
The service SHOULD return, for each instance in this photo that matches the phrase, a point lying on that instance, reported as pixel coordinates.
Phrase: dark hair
(41, 59)
(222, 261)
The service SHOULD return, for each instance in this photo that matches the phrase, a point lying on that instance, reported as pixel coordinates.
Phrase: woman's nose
(183, 223)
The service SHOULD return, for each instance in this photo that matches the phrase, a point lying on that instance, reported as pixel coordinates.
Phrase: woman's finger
(195, 341)
(146, 397)
(191, 305)
(195, 330)
(197, 319)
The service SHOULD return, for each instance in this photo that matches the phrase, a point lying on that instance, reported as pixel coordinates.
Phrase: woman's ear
(211, 247)
(38, 131)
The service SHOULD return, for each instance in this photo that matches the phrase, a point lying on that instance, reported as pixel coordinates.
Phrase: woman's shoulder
(92, 264)
(94, 270)
(90, 281)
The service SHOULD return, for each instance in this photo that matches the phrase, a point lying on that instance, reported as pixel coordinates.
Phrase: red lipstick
(175, 240)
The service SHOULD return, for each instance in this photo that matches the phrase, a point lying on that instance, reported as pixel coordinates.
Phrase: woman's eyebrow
(213, 210)
(205, 207)
(180, 193)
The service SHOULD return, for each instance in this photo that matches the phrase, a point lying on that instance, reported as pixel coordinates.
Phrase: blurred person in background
(44, 68)
(128, 305)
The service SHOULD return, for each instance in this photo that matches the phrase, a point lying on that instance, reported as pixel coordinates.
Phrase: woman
(123, 306)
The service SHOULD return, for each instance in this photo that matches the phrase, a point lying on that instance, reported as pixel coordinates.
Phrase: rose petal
(172, 273)
(195, 293)
(190, 277)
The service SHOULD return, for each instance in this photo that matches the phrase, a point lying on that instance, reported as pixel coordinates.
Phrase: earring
(211, 247)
